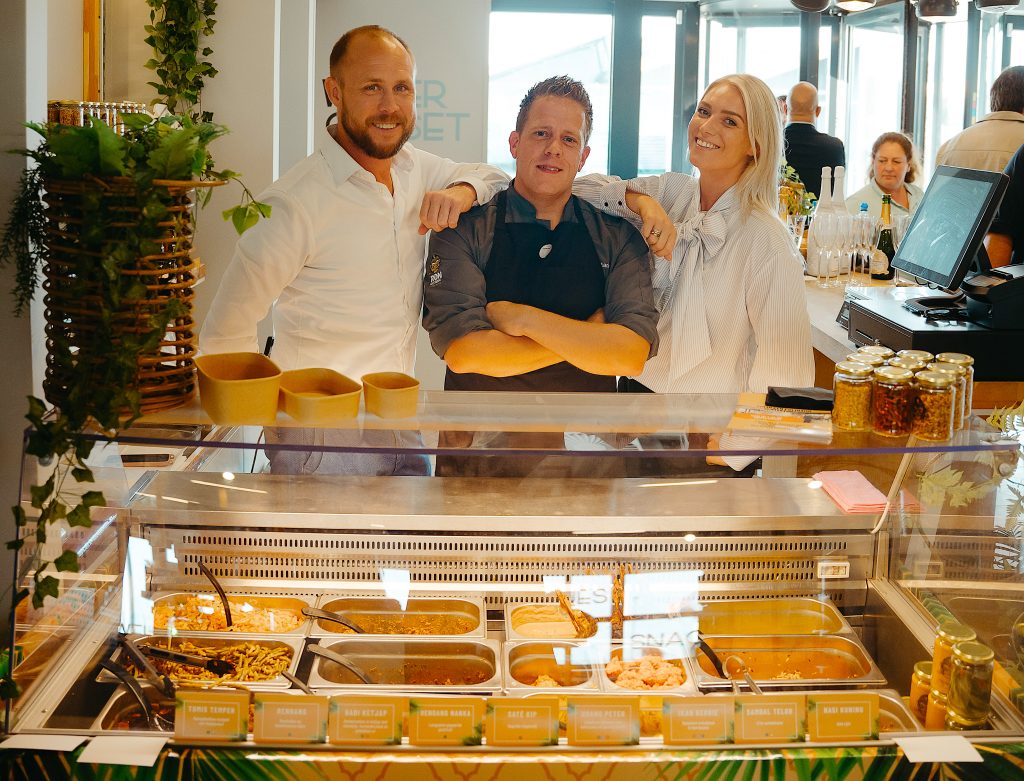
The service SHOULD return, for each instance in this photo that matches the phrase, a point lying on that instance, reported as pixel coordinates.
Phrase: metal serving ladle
(318, 650)
(735, 666)
(154, 719)
(327, 615)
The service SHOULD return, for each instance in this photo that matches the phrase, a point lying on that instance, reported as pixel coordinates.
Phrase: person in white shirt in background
(733, 309)
(341, 257)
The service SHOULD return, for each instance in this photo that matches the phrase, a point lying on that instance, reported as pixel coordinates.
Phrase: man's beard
(361, 136)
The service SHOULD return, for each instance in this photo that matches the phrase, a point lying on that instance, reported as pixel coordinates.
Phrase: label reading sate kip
(526, 721)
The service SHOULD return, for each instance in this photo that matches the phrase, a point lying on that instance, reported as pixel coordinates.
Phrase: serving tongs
(215, 666)
(734, 666)
(140, 660)
(154, 719)
(327, 615)
(584, 623)
(333, 656)
(218, 588)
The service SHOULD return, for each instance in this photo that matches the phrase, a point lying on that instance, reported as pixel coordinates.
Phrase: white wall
(63, 50)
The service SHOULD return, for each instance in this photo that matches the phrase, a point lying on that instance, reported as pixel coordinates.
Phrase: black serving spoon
(219, 589)
(327, 615)
(344, 661)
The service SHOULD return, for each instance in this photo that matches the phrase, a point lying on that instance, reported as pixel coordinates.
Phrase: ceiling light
(811, 6)
(996, 6)
(856, 5)
(936, 10)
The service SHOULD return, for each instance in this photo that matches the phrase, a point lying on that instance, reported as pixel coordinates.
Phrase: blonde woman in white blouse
(728, 282)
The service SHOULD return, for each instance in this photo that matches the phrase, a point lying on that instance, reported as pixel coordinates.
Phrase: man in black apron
(537, 290)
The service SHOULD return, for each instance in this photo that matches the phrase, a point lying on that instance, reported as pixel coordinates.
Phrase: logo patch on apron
(435, 270)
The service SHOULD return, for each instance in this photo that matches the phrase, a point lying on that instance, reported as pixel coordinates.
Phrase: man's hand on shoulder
(441, 208)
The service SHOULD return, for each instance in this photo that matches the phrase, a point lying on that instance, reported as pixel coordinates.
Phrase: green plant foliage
(175, 33)
(25, 221)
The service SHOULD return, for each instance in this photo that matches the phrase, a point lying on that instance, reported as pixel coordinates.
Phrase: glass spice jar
(967, 362)
(923, 356)
(935, 714)
(851, 386)
(880, 350)
(949, 634)
(920, 686)
(960, 378)
(910, 364)
(933, 406)
(874, 361)
(892, 405)
(970, 680)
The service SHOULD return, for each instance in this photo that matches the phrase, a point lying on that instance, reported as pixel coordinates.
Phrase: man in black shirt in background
(807, 149)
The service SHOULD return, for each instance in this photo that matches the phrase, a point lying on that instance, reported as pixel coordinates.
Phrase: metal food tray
(256, 600)
(352, 607)
(123, 703)
(773, 616)
(836, 661)
(387, 660)
(220, 639)
(537, 613)
(892, 708)
(689, 686)
(525, 660)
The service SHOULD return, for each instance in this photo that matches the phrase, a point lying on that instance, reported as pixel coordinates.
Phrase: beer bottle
(881, 258)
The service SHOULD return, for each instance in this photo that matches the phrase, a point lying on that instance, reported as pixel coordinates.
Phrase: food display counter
(653, 587)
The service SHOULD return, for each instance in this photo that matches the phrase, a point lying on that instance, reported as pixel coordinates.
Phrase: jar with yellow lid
(880, 350)
(935, 714)
(851, 386)
(957, 722)
(920, 686)
(892, 404)
(970, 680)
(910, 364)
(933, 406)
(959, 373)
(923, 356)
(962, 359)
(949, 634)
(873, 361)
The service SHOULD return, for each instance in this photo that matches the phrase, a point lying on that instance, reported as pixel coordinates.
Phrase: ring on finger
(655, 233)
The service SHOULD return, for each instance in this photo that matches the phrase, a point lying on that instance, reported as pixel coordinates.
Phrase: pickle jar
(957, 722)
(910, 364)
(892, 405)
(851, 384)
(935, 714)
(874, 361)
(967, 362)
(970, 680)
(949, 634)
(920, 686)
(921, 356)
(933, 406)
(880, 350)
(959, 373)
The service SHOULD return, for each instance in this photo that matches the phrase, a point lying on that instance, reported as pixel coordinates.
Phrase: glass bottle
(923, 356)
(949, 634)
(910, 364)
(885, 247)
(880, 350)
(935, 713)
(959, 375)
(892, 403)
(920, 686)
(933, 406)
(851, 386)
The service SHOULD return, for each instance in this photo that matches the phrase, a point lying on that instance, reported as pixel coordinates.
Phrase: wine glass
(796, 224)
(824, 238)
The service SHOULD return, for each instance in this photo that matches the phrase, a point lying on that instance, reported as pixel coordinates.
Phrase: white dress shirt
(871, 194)
(753, 299)
(343, 260)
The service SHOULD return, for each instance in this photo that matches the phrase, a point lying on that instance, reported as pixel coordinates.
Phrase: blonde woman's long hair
(758, 186)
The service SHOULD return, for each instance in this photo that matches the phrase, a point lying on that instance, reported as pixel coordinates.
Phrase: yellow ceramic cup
(319, 396)
(391, 394)
(239, 389)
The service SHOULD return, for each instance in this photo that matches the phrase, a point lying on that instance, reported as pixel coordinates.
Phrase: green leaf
(9, 689)
(66, 562)
(83, 475)
(172, 159)
(47, 586)
(40, 493)
(16, 544)
(93, 499)
(79, 516)
(20, 519)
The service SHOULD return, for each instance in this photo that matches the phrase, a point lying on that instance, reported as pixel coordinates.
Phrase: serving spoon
(318, 650)
(327, 615)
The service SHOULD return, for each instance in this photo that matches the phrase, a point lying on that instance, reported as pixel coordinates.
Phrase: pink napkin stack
(852, 491)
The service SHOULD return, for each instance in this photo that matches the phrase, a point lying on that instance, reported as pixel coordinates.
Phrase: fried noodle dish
(201, 614)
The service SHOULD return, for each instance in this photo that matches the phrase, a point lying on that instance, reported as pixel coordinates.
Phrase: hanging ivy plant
(103, 362)
(175, 32)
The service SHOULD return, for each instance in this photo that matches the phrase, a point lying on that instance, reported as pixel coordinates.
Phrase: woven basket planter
(84, 323)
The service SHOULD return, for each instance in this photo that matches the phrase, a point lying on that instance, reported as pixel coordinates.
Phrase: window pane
(772, 53)
(657, 83)
(947, 64)
(575, 44)
(830, 93)
(875, 89)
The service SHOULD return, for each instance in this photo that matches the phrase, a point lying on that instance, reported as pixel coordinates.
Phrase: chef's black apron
(568, 281)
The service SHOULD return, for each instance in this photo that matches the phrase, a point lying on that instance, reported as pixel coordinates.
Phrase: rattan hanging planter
(103, 295)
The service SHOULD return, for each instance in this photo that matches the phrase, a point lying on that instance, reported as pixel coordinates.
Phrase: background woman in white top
(732, 303)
